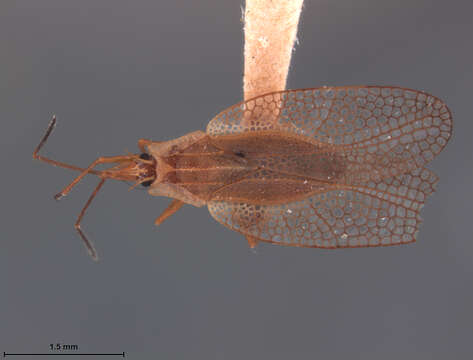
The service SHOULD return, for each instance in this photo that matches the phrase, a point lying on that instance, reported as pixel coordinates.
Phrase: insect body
(325, 167)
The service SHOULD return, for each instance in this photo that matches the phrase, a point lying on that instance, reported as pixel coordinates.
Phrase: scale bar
(63, 354)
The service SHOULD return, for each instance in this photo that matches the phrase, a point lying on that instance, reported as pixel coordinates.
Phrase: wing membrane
(376, 213)
(376, 127)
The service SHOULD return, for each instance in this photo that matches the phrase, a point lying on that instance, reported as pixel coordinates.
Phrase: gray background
(114, 71)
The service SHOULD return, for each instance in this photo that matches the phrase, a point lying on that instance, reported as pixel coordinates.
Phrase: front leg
(89, 169)
(144, 143)
(170, 210)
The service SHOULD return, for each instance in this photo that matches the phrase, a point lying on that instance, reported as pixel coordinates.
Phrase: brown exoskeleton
(324, 167)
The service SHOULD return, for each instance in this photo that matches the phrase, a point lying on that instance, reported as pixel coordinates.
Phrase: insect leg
(142, 143)
(171, 209)
(88, 244)
(252, 241)
(100, 160)
(36, 156)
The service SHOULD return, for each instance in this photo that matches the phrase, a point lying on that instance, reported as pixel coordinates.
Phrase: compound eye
(146, 183)
(145, 156)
